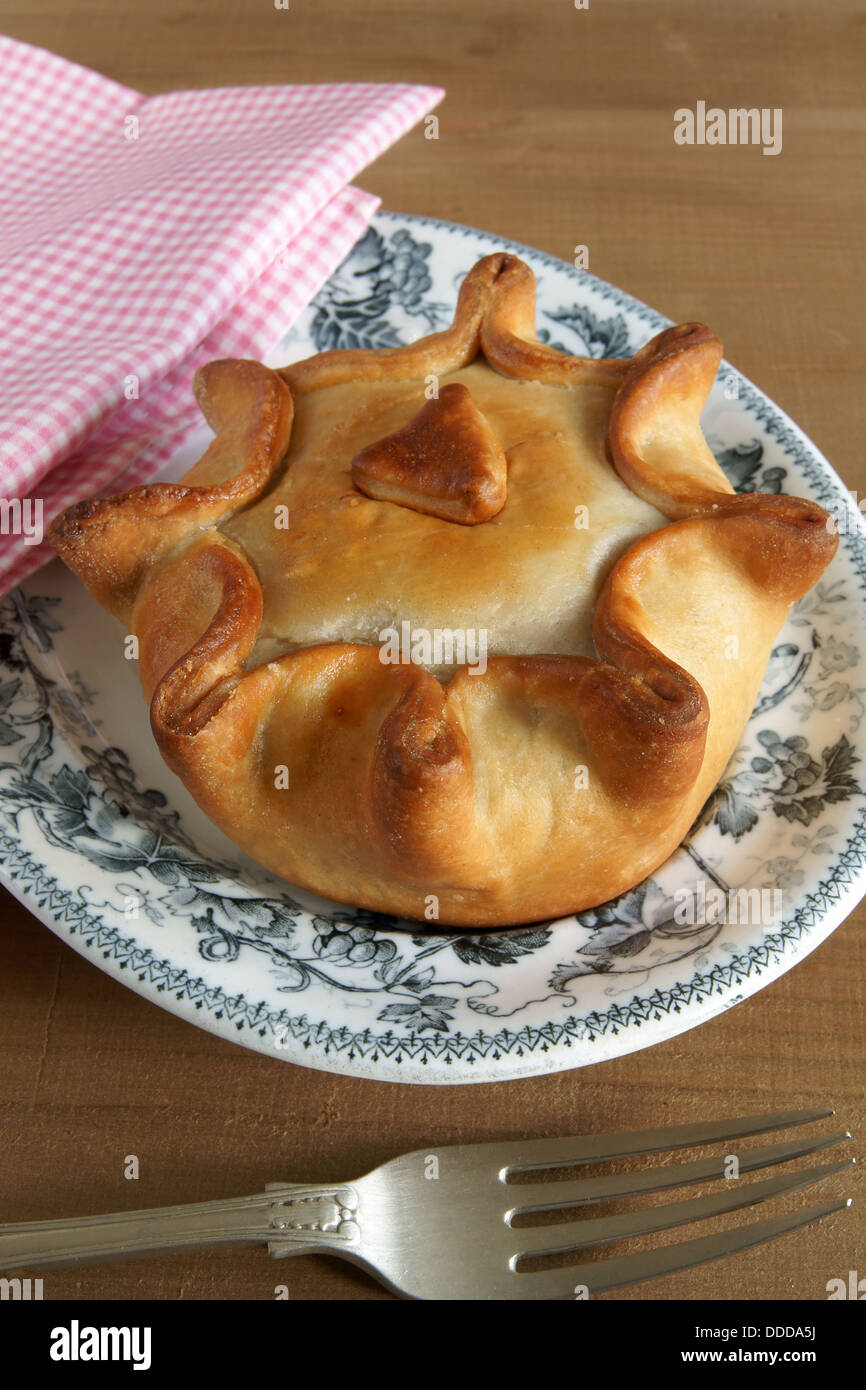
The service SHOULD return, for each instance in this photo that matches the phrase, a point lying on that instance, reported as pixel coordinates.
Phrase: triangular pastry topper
(603, 631)
(447, 461)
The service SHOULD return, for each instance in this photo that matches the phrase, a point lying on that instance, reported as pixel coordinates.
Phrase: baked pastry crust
(626, 650)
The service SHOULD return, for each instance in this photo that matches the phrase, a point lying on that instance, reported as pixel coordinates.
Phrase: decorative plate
(104, 845)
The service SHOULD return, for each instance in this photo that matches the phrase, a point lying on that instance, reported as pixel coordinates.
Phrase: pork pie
(465, 631)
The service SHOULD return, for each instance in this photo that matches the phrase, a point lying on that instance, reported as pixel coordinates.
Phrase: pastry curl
(112, 542)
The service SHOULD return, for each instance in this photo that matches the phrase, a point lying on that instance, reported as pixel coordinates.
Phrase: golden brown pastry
(464, 631)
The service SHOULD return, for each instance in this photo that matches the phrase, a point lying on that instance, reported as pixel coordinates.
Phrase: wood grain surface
(557, 130)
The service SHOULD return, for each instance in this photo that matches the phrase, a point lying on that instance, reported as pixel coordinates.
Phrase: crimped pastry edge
(645, 717)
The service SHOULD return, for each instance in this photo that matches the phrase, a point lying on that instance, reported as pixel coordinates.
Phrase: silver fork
(437, 1223)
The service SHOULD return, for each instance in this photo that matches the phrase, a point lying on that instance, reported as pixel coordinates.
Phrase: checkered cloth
(141, 237)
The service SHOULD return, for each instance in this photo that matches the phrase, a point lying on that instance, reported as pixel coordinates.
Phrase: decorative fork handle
(289, 1218)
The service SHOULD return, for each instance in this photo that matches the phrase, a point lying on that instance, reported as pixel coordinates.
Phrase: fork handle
(288, 1217)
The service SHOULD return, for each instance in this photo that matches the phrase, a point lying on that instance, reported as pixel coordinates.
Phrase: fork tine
(553, 1196)
(575, 1235)
(522, 1156)
(632, 1269)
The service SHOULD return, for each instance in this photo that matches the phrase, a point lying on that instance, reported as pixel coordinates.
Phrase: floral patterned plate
(104, 845)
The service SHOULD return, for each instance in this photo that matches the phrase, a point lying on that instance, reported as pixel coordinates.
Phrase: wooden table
(557, 130)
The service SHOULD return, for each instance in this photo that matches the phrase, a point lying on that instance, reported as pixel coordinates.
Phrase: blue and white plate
(104, 845)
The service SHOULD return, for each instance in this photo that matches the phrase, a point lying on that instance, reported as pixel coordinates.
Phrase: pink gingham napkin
(141, 237)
